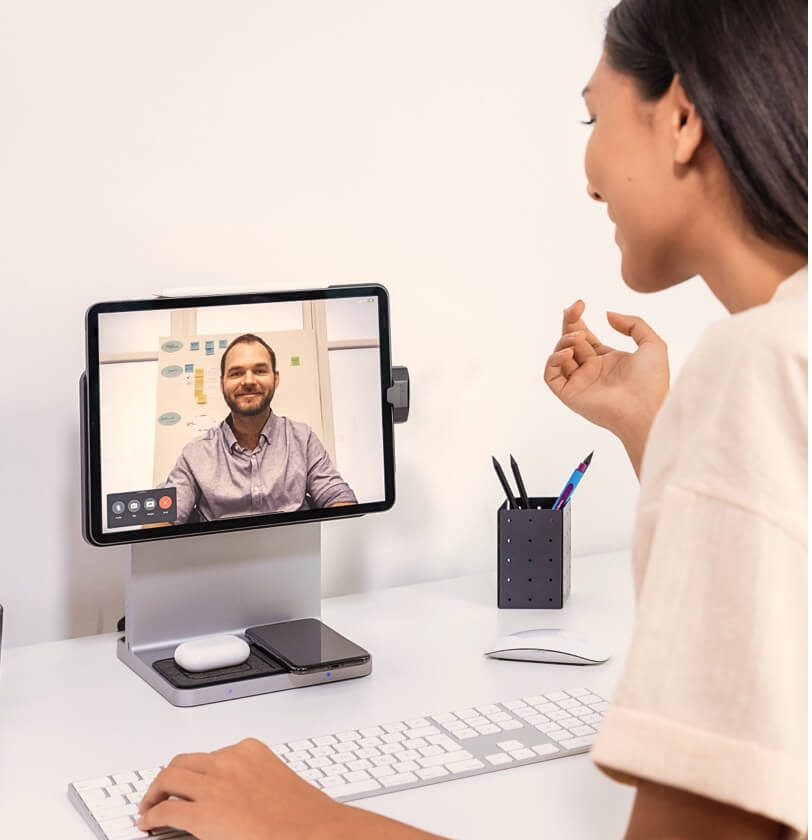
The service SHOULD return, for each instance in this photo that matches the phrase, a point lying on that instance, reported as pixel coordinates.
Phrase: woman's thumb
(634, 326)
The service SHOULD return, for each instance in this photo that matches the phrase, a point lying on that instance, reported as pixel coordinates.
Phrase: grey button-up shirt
(290, 470)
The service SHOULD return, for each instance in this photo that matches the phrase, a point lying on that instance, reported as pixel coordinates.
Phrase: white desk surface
(70, 710)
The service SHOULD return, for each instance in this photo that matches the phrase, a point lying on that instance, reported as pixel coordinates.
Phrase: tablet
(225, 412)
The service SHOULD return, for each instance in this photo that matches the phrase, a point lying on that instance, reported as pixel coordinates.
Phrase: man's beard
(259, 408)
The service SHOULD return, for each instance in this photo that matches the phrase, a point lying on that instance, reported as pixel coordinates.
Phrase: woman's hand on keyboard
(245, 791)
(240, 791)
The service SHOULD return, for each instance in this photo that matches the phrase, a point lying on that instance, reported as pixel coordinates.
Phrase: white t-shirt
(713, 698)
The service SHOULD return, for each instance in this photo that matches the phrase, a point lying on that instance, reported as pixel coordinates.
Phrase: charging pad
(258, 664)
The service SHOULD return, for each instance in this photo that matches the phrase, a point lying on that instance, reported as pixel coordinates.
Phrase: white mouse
(548, 645)
(211, 652)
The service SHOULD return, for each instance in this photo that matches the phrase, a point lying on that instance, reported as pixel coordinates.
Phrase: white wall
(430, 145)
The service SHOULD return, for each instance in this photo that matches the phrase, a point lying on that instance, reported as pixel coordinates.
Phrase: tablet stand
(216, 584)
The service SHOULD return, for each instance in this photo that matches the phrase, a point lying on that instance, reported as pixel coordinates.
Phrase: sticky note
(194, 345)
(223, 342)
(295, 361)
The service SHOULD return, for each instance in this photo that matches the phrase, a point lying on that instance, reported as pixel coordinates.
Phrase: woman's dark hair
(743, 64)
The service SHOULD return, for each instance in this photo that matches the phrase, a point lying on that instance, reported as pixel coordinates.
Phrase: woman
(698, 150)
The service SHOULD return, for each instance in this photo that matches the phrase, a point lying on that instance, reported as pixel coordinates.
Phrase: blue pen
(572, 483)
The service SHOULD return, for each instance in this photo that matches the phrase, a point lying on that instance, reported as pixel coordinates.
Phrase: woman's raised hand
(612, 388)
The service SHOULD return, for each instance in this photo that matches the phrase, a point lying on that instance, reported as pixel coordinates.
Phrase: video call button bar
(141, 507)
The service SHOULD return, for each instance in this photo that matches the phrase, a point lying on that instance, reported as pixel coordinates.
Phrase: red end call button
(165, 502)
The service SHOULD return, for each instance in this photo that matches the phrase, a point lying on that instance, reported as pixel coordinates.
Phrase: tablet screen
(239, 411)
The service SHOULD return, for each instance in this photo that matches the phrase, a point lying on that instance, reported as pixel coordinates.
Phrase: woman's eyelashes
(590, 121)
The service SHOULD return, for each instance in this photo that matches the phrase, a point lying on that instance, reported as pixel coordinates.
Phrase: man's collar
(230, 438)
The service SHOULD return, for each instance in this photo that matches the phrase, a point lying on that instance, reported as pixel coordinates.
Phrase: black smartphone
(306, 644)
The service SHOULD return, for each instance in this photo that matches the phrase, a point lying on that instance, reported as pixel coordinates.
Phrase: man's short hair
(247, 338)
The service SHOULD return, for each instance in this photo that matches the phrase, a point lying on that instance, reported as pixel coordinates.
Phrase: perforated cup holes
(508, 519)
(508, 580)
(530, 599)
(508, 539)
(529, 580)
(551, 580)
(550, 600)
(508, 559)
(529, 539)
(550, 540)
(510, 599)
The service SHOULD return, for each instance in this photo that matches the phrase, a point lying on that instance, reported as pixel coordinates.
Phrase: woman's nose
(593, 193)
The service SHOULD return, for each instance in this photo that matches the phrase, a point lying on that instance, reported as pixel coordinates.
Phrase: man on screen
(254, 461)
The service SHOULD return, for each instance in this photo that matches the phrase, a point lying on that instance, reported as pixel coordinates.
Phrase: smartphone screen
(306, 644)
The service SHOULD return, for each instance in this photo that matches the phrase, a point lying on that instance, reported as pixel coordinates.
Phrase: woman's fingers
(573, 322)
(633, 326)
(174, 781)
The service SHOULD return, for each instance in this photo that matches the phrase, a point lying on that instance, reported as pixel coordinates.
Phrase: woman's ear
(686, 124)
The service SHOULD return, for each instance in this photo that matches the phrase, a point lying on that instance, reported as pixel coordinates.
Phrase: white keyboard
(392, 756)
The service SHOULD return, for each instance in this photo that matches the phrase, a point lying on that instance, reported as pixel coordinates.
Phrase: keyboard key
(465, 766)
(345, 747)
(445, 717)
(121, 778)
(557, 714)
(99, 782)
(94, 795)
(513, 704)
(477, 720)
(568, 703)
(423, 731)
(280, 749)
(510, 724)
(522, 754)
(107, 813)
(546, 708)
(546, 749)
(398, 779)
(320, 761)
(577, 692)
(310, 775)
(417, 723)
(296, 746)
(488, 729)
(369, 752)
(589, 699)
(432, 772)
(558, 734)
(398, 726)
(361, 764)
(394, 737)
(405, 766)
(579, 710)
(119, 790)
(582, 730)
(575, 743)
(433, 749)
(499, 717)
(318, 752)
(455, 725)
(335, 770)
(347, 736)
(510, 745)
(535, 700)
(352, 788)
(569, 722)
(464, 734)
(324, 741)
(465, 714)
(593, 718)
(357, 776)
(411, 755)
(437, 760)
(381, 772)
(383, 760)
(602, 706)
(298, 755)
(372, 741)
(298, 766)
(498, 758)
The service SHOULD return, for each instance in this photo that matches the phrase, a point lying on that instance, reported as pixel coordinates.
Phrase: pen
(518, 476)
(572, 482)
(503, 481)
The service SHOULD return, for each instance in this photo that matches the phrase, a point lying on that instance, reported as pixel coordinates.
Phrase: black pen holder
(533, 556)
